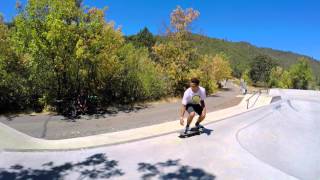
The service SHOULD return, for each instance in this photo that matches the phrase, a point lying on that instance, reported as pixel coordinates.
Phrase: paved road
(54, 127)
(279, 141)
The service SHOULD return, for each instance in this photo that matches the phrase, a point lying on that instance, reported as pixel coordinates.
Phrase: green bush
(14, 89)
(301, 75)
(260, 69)
(138, 79)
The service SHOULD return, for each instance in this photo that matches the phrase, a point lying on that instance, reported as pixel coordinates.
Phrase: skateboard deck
(192, 132)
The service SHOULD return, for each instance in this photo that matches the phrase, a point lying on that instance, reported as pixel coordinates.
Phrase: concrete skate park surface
(275, 141)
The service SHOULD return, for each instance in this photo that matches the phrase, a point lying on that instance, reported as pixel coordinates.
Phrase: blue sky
(290, 25)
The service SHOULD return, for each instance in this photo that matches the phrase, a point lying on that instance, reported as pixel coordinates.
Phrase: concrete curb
(13, 140)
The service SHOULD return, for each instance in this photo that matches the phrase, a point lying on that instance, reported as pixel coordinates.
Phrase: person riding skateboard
(193, 102)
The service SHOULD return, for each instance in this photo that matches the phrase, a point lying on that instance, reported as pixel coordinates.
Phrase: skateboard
(192, 132)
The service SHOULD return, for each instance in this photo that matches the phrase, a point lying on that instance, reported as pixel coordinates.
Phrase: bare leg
(200, 119)
(190, 118)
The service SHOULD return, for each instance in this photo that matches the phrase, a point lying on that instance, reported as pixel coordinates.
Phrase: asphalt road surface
(57, 127)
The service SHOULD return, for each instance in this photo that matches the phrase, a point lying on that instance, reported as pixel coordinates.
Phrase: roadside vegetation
(57, 52)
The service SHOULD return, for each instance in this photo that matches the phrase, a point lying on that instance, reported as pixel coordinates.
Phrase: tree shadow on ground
(213, 95)
(132, 108)
(225, 89)
(172, 169)
(94, 167)
(105, 112)
(10, 117)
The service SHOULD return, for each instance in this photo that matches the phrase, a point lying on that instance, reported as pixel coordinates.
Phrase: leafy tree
(221, 68)
(143, 39)
(177, 61)
(98, 63)
(214, 70)
(246, 77)
(65, 48)
(275, 75)
(47, 32)
(207, 77)
(236, 71)
(180, 22)
(177, 56)
(14, 89)
(280, 78)
(70, 49)
(285, 80)
(138, 78)
(301, 74)
(260, 69)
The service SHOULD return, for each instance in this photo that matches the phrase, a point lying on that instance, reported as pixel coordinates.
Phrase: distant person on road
(193, 102)
(243, 87)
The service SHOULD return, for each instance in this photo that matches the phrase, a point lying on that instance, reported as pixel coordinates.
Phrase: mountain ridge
(242, 53)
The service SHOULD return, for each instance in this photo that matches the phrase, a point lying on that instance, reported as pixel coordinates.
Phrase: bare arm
(182, 111)
(203, 105)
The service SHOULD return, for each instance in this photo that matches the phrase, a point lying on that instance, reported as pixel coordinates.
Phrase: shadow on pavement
(207, 131)
(161, 170)
(213, 95)
(111, 111)
(45, 128)
(10, 117)
(203, 131)
(225, 89)
(96, 166)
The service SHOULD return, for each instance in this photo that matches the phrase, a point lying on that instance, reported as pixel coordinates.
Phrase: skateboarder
(193, 102)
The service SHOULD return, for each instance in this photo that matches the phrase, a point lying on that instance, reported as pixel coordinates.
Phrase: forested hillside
(242, 53)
